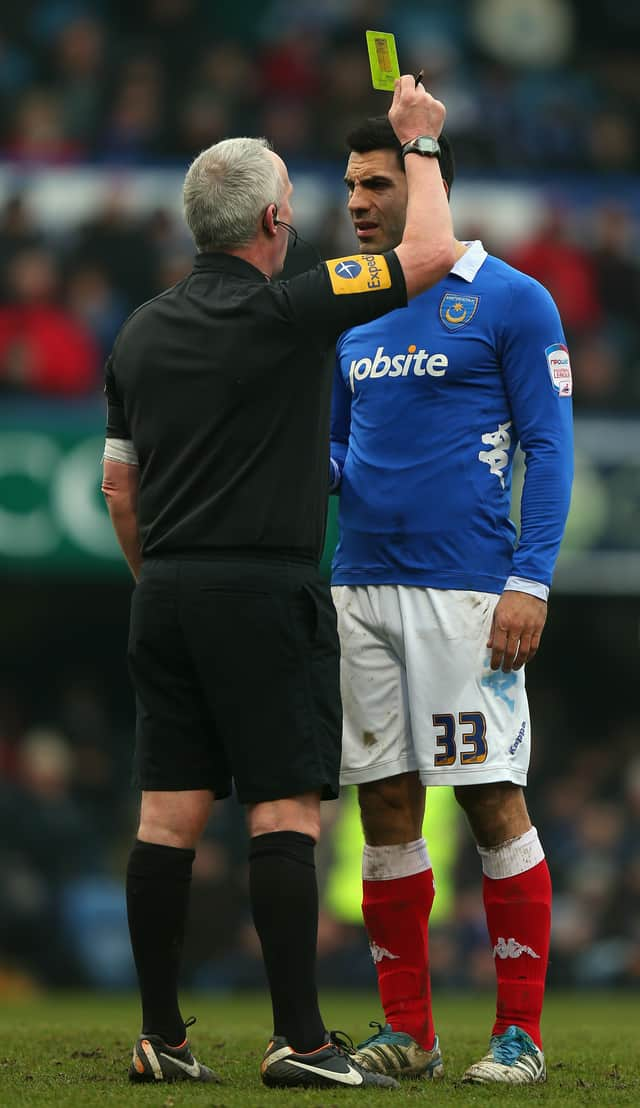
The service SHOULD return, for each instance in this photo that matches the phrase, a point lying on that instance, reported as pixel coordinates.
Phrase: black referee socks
(284, 902)
(158, 885)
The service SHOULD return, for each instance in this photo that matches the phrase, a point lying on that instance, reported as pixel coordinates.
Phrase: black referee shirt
(223, 385)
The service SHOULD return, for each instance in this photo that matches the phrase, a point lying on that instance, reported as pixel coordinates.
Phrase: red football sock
(396, 914)
(518, 908)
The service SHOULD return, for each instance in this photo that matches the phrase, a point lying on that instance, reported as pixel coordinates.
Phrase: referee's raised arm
(426, 252)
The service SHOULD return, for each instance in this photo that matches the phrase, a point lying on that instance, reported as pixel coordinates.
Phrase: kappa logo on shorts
(519, 738)
(364, 273)
(456, 311)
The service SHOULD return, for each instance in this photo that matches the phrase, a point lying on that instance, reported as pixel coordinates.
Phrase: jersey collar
(227, 263)
(468, 265)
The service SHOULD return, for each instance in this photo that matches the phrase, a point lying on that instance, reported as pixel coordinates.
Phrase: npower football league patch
(559, 368)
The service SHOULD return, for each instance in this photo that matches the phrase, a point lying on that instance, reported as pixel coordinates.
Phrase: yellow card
(383, 59)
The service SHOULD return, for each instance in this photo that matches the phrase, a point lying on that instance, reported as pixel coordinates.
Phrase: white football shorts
(418, 692)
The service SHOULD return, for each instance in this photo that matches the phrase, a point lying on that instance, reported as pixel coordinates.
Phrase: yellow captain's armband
(359, 273)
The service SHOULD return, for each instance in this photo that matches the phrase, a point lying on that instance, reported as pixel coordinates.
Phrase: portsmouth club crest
(456, 311)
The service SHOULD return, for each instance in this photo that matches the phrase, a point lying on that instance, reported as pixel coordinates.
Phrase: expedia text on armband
(373, 269)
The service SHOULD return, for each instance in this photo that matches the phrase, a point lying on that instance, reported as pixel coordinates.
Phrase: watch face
(422, 145)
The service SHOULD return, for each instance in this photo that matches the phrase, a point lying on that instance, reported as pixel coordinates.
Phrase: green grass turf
(74, 1050)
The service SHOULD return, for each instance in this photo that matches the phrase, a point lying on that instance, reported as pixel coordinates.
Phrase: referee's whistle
(419, 77)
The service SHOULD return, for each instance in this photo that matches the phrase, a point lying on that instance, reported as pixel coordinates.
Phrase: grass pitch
(74, 1050)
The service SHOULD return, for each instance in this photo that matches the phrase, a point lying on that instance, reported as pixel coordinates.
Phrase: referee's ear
(270, 219)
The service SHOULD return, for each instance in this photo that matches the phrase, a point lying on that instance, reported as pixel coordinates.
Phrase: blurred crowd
(63, 298)
(531, 87)
(527, 82)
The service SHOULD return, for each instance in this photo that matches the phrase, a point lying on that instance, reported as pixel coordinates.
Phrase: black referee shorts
(235, 666)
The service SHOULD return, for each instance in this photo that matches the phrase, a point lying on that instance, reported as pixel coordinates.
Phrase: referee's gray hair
(226, 190)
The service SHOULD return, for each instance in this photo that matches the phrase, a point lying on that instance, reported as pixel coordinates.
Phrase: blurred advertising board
(52, 515)
(53, 519)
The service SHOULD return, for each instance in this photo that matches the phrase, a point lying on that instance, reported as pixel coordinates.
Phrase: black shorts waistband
(271, 555)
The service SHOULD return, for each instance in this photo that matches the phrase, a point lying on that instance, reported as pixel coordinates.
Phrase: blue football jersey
(430, 402)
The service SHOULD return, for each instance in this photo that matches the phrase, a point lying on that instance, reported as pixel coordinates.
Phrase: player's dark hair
(377, 133)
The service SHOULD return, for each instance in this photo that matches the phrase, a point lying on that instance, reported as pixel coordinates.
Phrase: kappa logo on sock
(511, 948)
(380, 952)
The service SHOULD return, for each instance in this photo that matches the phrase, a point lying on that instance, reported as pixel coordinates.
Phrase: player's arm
(340, 426)
(538, 382)
(120, 475)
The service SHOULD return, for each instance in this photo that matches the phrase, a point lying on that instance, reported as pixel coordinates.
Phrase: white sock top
(384, 863)
(513, 857)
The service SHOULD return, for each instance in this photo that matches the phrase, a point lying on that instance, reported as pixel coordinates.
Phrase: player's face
(377, 203)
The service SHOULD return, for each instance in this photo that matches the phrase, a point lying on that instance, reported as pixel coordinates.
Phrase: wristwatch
(425, 145)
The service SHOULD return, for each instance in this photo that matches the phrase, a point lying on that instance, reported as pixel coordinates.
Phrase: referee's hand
(414, 111)
(518, 622)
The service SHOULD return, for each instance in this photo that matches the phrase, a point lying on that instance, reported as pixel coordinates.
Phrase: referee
(216, 473)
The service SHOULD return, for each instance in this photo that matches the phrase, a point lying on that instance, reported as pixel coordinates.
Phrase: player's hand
(414, 111)
(518, 622)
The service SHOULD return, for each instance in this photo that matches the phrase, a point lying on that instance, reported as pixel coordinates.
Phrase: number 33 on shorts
(470, 744)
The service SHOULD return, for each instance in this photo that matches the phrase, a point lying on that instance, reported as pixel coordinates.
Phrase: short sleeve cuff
(121, 450)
